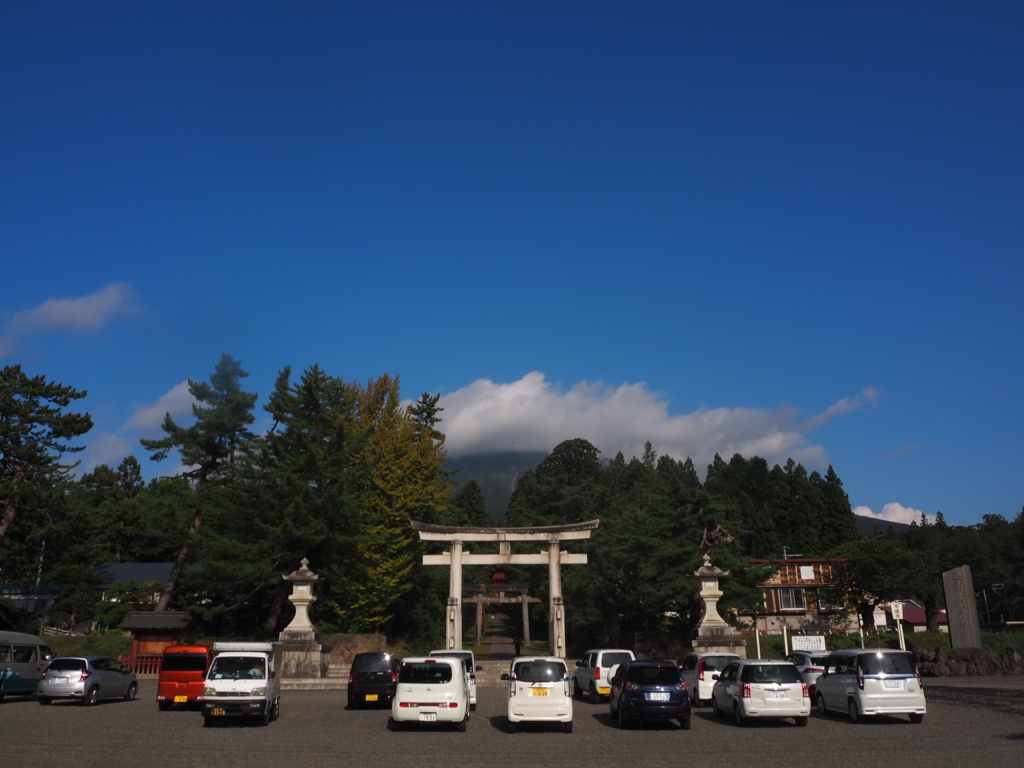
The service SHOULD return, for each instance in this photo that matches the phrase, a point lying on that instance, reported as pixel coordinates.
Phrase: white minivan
(881, 681)
(699, 672)
(431, 689)
(538, 691)
(23, 659)
(471, 670)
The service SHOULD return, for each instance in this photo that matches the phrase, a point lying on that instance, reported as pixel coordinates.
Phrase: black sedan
(648, 691)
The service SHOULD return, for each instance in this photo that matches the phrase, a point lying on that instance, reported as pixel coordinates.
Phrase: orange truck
(182, 675)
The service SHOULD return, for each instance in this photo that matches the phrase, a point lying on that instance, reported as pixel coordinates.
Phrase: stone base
(720, 643)
(303, 655)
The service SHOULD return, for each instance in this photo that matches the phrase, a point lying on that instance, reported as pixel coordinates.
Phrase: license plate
(657, 697)
(60, 680)
(180, 699)
(604, 691)
(218, 712)
(893, 683)
(776, 694)
(371, 697)
(538, 691)
(428, 717)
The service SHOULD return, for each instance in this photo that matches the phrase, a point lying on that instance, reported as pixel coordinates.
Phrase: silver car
(87, 679)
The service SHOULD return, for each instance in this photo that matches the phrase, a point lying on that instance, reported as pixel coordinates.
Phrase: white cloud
(867, 398)
(894, 513)
(533, 415)
(177, 402)
(82, 315)
(105, 448)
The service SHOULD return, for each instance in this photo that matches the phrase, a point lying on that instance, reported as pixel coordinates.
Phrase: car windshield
(887, 664)
(184, 662)
(772, 673)
(716, 663)
(611, 659)
(64, 665)
(420, 672)
(539, 671)
(237, 668)
(654, 675)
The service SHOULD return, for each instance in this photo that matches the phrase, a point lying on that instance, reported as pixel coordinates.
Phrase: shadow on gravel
(1015, 737)
(608, 721)
(1001, 700)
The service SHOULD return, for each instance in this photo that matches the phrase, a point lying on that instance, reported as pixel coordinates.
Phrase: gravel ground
(964, 726)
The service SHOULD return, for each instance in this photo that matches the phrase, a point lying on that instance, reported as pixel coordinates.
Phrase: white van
(23, 659)
(244, 680)
(471, 670)
(700, 671)
(431, 689)
(862, 682)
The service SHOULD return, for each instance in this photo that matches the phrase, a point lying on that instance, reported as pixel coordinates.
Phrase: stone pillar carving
(303, 655)
(453, 627)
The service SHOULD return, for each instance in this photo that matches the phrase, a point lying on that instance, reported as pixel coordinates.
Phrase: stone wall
(969, 662)
(345, 647)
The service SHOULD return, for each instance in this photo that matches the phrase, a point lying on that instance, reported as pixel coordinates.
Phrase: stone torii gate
(553, 558)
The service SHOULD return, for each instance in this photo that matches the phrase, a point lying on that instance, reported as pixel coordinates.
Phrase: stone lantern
(712, 632)
(301, 597)
(303, 655)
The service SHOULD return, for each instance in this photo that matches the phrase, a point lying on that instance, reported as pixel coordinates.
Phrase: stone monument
(712, 633)
(961, 609)
(303, 655)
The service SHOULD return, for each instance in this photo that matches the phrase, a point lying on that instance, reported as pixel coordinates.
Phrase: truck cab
(244, 680)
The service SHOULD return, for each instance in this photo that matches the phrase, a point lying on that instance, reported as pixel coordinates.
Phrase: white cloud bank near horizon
(80, 315)
(894, 512)
(531, 414)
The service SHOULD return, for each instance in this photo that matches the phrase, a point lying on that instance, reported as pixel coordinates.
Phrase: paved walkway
(1001, 682)
(500, 639)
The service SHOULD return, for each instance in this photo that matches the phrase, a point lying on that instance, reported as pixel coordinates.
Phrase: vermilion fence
(143, 665)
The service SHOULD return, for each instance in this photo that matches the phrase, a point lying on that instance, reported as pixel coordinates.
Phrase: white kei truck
(244, 680)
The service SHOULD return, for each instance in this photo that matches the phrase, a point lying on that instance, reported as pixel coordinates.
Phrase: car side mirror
(504, 677)
(578, 664)
(570, 678)
(479, 668)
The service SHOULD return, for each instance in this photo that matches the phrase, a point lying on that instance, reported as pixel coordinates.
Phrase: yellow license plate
(538, 691)
(371, 697)
(180, 699)
(219, 712)
(604, 691)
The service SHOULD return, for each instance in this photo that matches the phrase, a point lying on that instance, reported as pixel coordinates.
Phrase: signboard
(807, 642)
(897, 610)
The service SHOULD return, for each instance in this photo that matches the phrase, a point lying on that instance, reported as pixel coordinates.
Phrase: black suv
(649, 690)
(373, 679)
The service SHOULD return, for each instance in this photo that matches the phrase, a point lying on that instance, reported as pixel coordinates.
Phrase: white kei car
(431, 689)
(759, 688)
(538, 692)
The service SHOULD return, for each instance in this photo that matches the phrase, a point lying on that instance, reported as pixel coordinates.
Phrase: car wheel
(714, 707)
(511, 727)
(622, 718)
(737, 713)
(801, 721)
(163, 705)
(822, 709)
(576, 693)
(93, 696)
(567, 727)
(132, 692)
(854, 712)
(684, 723)
(595, 697)
(207, 721)
(44, 700)
(917, 717)
(461, 725)
(277, 708)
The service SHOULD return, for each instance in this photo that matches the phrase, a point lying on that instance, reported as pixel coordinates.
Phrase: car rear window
(611, 659)
(886, 663)
(425, 673)
(716, 663)
(61, 665)
(371, 664)
(184, 662)
(539, 671)
(771, 673)
(654, 675)
(819, 661)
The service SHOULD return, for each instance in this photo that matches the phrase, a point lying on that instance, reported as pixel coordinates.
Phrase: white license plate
(428, 717)
(657, 697)
(60, 679)
(776, 694)
(893, 683)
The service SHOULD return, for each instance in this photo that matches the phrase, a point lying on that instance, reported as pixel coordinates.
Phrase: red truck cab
(182, 675)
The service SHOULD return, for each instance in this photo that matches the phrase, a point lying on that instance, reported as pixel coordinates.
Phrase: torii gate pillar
(453, 625)
(556, 606)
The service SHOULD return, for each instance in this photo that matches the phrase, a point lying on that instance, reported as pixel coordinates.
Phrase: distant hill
(496, 474)
(868, 526)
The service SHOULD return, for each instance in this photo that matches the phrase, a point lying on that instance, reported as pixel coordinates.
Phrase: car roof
(537, 658)
(781, 662)
(605, 650)
(650, 663)
(861, 651)
(429, 659)
(703, 654)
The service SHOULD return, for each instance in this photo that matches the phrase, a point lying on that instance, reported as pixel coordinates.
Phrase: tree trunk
(274, 617)
(179, 563)
(10, 512)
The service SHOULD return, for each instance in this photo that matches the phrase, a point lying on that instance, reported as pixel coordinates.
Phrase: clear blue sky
(790, 228)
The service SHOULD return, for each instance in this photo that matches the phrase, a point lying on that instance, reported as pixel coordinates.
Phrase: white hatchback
(881, 681)
(538, 691)
(431, 690)
(761, 688)
(471, 670)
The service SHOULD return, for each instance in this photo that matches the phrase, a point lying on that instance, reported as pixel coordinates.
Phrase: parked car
(538, 692)
(810, 666)
(471, 670)
(594, 669)
(23, 659)
(182, 675)
(761, 688)
(431, 689)
(649, 691)
(862, 682)
(699, 672)
(373, 679)
(87, 679)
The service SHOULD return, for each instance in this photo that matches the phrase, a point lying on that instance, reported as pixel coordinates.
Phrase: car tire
(576, 692)
(714, 707)
(472, 707)
(822, 709)
(207, 721)
(163, 705)
(917, 717)
(567, 727)
(595, 697)
(277, 708)
(44, 700)
(622, 718)
(684, 723)
(461, 725)
(511, 727)
(91, 697)
(737, 714)
(801, 721)
(854, 711)
(132, 692)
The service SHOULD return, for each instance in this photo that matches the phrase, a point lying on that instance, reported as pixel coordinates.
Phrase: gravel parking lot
(974, 726)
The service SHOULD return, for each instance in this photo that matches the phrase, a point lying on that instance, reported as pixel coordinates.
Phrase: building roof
(142, 573)
(137, 620)
(912, 614)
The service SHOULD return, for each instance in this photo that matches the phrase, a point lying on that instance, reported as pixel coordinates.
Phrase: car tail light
(430, 661)
(632, 686)
(700, 669)
(394, 678)
(746, 690)
(85, 674)
(860, 678)
(815, 669)
(351, 677)
(807, 694)
(597, 674)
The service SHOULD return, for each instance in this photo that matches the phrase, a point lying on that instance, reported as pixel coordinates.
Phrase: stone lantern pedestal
(303, 655)
(712, 633)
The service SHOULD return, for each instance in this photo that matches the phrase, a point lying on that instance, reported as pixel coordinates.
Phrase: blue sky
(791, 229)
